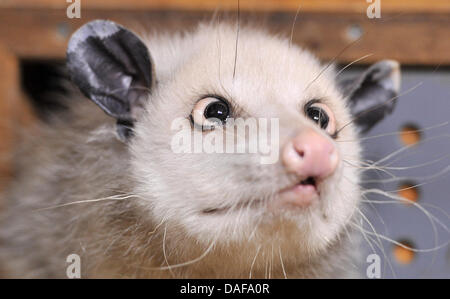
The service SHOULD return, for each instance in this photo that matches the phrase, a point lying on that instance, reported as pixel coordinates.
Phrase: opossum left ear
(112, 67)
(373, 94)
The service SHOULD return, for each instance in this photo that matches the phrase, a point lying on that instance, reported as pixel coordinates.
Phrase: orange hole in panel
(410, 134)
(409, 192)
(403, 255)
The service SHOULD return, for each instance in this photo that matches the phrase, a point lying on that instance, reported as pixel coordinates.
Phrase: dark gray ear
(113, 68)
(372, 95)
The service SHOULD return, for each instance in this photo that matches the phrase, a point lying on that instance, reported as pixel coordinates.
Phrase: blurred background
(407, 228)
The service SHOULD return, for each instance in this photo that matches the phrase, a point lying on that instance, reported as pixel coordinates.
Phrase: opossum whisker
(433, 249)
(410, 153)
(266, 266)
(417, 165)
(351, 63)
(357, 159)
(347, 232)
(381, 247)
(368, 168)
(114, 197)
(272, 263)
(397, 179)
(215, 15)
(237, 38)
(437, 208)
(164, 251)
(379, 201)
(356, 162)
(370, 242)
(330, 63)
(406, 147)
(269, 263)
(239, 210)
(403, 200)
(282, 263)
(252, 234)
(219, 49)
(364, 218)
(397, 133)
(202, 256)
(387, 167)
(348, 65)
(293, 25)
(153, 232)
(254, 260)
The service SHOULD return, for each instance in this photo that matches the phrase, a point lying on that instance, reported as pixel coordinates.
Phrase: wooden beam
(409, 38)
(323, 6)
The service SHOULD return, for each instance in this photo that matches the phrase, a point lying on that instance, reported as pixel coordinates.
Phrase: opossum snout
(310, 154)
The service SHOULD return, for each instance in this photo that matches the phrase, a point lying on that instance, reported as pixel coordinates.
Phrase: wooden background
(411, 31)
(414, 32)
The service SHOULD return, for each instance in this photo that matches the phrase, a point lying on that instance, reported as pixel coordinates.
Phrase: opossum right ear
(112, 67)
(371, 95)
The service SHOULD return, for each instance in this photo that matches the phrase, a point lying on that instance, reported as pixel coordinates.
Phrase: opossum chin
(294, 212)
(301, 230)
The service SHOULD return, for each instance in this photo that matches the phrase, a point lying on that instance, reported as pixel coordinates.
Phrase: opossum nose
(310, 154)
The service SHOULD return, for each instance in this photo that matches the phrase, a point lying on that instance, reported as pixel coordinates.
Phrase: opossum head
(235, 138)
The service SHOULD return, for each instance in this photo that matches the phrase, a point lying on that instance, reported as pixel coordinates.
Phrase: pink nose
(310, 154)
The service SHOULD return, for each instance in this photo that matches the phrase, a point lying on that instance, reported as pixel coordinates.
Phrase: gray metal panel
(426, 106)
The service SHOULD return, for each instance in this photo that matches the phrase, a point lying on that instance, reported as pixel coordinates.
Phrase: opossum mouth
(300, 195)
(309, 181)
(302, 190)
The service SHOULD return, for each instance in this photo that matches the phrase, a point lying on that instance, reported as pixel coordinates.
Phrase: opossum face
(243, 142)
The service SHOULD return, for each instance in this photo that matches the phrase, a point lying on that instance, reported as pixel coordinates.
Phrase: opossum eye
(322, 115)
(210, 112)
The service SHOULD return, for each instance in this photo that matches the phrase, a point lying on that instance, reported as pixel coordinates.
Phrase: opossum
(106, 183)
